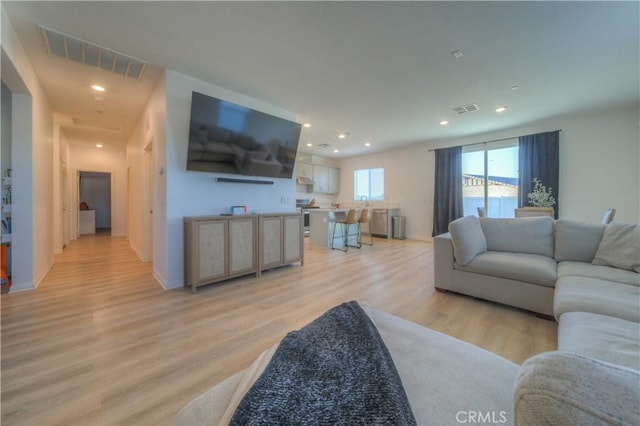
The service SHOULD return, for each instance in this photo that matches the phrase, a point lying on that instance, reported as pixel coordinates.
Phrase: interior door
(148, 205)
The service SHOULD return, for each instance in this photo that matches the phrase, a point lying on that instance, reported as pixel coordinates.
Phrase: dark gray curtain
(447, 203)
(539, 158)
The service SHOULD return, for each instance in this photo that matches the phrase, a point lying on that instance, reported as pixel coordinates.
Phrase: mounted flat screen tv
(228, 138)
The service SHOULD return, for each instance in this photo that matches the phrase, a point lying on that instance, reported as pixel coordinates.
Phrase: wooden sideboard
(218, 248)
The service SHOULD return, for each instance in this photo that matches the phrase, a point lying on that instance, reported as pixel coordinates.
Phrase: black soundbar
(259, 182)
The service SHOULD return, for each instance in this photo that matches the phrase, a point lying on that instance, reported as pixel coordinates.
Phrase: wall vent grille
(84, 52)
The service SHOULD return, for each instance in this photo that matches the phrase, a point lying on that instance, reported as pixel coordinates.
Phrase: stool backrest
(364, 216)
(352, 216)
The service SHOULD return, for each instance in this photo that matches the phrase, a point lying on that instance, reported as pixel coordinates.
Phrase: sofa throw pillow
(577, 241)
(533, 235)
(467, 238)
(619, 247)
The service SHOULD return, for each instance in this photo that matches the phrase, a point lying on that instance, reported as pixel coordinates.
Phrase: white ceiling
(383, 72)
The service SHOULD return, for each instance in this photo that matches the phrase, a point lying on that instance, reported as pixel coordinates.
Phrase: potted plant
(542, 200)
(541, 195)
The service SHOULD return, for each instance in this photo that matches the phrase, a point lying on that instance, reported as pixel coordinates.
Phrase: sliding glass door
(490, 178)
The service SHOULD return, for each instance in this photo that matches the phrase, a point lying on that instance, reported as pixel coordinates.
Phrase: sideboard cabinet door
(242, 246)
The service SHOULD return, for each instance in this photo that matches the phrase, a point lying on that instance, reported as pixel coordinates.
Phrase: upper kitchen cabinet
(304, 170)
(326, 179)
(320, 179)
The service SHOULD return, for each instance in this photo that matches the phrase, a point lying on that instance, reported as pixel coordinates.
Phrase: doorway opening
(94, 190)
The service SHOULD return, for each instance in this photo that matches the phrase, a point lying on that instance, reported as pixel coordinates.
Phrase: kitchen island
(321, 224)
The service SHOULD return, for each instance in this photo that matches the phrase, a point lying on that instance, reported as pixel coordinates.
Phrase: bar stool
(365, 217)
(350, 219)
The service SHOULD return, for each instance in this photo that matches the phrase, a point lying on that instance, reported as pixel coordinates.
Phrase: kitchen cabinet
(320, 179)
(326, 179)
(304, 170)
(218, 248)
(281, 240)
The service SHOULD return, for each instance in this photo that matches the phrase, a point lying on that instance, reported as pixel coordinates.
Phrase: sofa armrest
(443, 260)
(566, 388)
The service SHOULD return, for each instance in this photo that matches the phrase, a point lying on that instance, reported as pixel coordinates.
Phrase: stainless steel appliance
(303, 206)
(380, 222)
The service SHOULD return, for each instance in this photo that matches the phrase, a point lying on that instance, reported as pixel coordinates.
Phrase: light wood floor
(100, 342)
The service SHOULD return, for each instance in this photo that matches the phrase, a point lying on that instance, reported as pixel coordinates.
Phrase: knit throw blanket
(335, 370)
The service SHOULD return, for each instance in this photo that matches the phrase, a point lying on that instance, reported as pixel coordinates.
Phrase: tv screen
(228, 138)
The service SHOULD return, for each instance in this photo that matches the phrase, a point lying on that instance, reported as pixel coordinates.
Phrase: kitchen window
(369, 184)
(490, 178)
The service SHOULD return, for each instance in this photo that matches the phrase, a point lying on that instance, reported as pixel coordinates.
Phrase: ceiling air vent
(87, 124)
(84, 52)
(466, 109)
(324, 145)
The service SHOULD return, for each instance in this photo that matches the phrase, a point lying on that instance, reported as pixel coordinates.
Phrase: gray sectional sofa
(532, 263)
(586, 275)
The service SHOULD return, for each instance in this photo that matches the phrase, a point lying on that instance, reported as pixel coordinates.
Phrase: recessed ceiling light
(335, 150)
(501, 109)
(457, 54)
(309, 144)
(342, 136)
(99, 145)
(444, 122)
(367, 144)
(97, 88)
(306, 125)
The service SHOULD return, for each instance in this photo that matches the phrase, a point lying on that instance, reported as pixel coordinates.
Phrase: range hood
(301, 180)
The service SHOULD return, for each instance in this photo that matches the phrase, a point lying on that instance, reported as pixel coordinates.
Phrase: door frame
(76, 199)
(148, 202)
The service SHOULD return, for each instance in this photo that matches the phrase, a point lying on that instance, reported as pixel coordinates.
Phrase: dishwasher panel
(380, 222)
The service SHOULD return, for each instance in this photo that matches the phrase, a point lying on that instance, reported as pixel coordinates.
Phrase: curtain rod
(495, 140)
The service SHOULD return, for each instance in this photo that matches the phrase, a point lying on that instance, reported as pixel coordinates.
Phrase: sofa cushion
(533, 235)
(443, 377)
(576, 240)
(467, 238)
(601, 337)
(619, 247)
(531, 268)
(583, 294)
(561, 388)
(583, 269)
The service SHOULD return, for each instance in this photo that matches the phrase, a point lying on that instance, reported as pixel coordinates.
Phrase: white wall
(150, 128)
(32, 151)
(599, 168)
(5, 109)
(112, 160)
(405, 176)
(196, 193)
